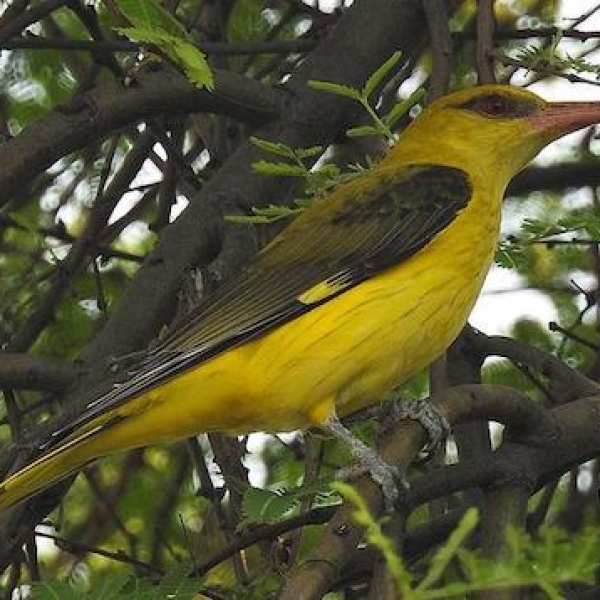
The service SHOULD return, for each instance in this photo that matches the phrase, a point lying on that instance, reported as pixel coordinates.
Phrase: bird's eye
(493, 105)
(490, 105)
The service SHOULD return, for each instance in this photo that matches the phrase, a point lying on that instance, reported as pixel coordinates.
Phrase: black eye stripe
(500, 105)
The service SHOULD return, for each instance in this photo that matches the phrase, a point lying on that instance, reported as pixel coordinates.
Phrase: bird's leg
(391, 480)
(427, 414)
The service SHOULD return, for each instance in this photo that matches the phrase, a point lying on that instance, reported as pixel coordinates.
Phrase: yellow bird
(363, 289)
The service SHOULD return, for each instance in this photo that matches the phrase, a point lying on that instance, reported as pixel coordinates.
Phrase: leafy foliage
(546, 563)
(296, 164)
(153, 25)
(511, 253)
(266, 506)
(318, 180)
(549, 58)
(176, 584)
(381, 125)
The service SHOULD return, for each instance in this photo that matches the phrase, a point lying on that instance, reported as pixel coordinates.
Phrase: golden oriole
(367, 286)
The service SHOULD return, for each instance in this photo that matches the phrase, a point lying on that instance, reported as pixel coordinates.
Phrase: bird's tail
(56, 464)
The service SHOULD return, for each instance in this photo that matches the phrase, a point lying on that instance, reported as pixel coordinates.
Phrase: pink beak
(560, 118)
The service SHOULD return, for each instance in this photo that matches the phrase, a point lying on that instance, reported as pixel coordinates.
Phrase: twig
(79, 548)
(33, 42)
(553, 326)
(441, 46)
(485, 41)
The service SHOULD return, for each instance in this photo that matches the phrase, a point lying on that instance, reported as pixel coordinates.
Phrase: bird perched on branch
(367, 286)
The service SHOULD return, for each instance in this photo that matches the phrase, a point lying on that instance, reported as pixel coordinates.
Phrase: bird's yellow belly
(357, 348)
(343, 355)
(349, 352)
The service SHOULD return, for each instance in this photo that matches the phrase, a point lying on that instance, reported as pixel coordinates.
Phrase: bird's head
(494, 128)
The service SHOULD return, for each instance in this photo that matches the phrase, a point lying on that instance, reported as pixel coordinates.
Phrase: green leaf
(449, 550)
(274, 210)
(264, 506)
(152, 24)
(285, 151)
(303, 153)
(266, 214)
(279, 169)
(328, 171)
(362, 131)
(379, 75)
(539, 228)
(191, 61)
(588, 222)
(181, 52)
(277, 148)
(250, 219)
(335, 88)
(508, 256)
(401, 108)
(150, 15)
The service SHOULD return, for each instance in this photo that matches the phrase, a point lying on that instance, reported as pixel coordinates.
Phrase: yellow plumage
(325, 321)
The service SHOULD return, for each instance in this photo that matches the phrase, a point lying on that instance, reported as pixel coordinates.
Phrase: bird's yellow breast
(351, 351)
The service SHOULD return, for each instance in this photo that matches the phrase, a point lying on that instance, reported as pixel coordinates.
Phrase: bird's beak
(560, 118)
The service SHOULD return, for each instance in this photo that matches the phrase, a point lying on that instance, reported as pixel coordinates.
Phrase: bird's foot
(390, 479)
(428, 415)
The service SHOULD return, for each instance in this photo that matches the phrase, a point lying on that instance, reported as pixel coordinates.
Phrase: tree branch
(27, 372)
(573, 383)
(555, 178)
(34, 42)
(485, 41)
(157, 91)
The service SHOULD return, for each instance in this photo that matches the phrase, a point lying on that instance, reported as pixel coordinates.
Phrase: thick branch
(22, 19)
(100, 111)
(441, 46)
(573, 383)
(26, 372)
(555, 178)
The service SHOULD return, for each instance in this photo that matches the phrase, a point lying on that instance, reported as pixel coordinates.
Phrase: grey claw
(429, 416)
(391, 480)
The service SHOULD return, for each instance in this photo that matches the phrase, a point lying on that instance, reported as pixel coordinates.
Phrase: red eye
(492, 105)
